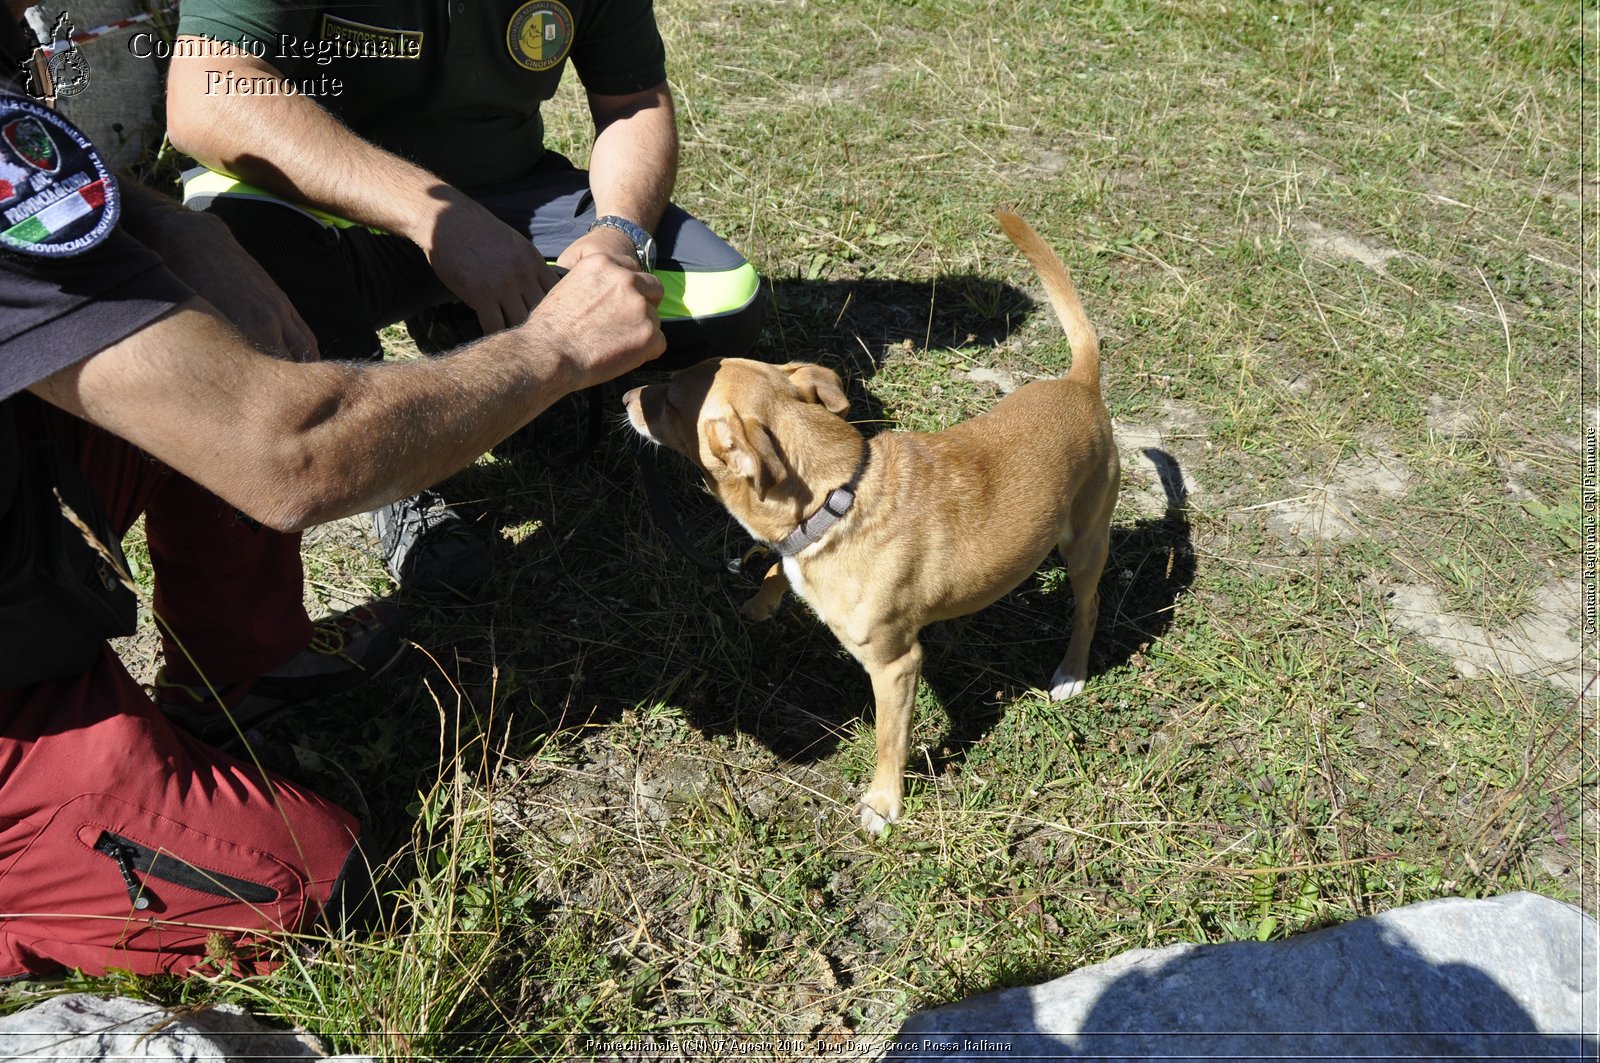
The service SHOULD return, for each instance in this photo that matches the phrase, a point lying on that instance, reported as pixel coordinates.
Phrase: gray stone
(105, 1029)
(1513, 977)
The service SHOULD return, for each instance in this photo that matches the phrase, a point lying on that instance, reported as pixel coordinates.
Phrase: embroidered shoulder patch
(359, 40)
(539, 34)
(57, 196)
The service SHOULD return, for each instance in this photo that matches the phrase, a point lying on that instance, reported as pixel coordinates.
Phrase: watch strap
(644, 245)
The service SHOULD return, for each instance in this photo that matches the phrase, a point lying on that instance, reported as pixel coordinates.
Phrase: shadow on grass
(853, 325)
(592, 614)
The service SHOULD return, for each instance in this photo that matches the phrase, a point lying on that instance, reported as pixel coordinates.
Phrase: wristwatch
(644, 245)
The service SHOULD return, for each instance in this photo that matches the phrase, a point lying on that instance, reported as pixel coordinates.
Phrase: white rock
(1513, 976)
(106, 1029)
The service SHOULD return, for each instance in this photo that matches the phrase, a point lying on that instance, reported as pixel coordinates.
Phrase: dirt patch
(999, 378)
(1050, 161)
(1178, 433)
(1539, 644)
(858, 86)
(1326, 244)
(1451, 419)
(1333, 511)
(623, 833)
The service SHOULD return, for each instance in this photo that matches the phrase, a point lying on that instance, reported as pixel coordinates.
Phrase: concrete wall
(121, 105)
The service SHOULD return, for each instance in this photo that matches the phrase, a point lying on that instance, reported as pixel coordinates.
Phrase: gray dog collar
(825, 516)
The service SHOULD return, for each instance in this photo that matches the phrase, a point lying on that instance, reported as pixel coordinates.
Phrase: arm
(274, 438)
(289, 144)
(632, 167)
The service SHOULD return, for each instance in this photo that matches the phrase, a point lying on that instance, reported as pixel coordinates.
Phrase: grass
(1316, 238)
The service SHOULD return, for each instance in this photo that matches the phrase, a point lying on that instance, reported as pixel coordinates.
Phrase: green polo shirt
(454, 86)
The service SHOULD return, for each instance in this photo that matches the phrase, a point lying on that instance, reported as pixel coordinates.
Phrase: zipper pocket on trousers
(134, 860)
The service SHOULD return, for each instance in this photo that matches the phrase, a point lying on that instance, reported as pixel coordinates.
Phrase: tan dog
(884, 536)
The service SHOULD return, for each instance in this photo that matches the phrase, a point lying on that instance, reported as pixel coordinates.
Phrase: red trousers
(124, 841)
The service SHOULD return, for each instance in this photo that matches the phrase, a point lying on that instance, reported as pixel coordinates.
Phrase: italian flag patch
(59, 216)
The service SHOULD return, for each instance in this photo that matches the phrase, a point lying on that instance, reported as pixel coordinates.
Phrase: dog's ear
(818, 384)
(744, 445)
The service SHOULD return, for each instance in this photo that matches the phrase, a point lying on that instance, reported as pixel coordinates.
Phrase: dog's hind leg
(1085, 558)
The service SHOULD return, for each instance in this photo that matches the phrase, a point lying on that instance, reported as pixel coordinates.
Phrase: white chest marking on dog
(797, 581)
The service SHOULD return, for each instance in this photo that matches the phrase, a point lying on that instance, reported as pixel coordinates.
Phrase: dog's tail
(1063, 297)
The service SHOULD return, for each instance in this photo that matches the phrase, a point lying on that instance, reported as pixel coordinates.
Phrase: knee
(711, 314)
(123, 887)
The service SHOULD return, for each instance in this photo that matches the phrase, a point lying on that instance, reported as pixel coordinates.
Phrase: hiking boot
(429, 550)
(346, 650)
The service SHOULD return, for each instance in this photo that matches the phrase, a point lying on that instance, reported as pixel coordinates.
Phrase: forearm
(276, 439)
(469, 401)
(633, 165)
(291, 145)
(295, 444)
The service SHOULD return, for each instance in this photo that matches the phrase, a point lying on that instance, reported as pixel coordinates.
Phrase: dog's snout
(633, 403)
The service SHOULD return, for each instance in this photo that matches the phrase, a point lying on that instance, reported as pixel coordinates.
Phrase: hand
(201, 252)
(487, 264)
(602, 318)
(602, 241)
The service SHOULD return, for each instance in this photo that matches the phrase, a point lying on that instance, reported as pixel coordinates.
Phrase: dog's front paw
(765, 602)
(1064, 685)
(878, 811)
(761, 607)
